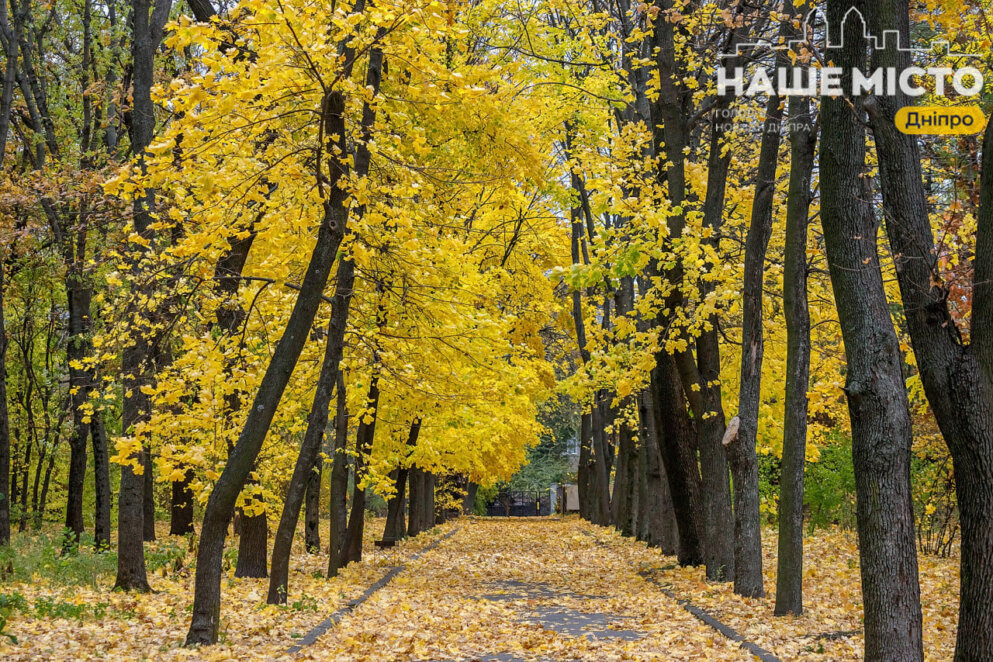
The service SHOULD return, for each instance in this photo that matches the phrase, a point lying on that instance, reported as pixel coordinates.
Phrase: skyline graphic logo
(828, 80)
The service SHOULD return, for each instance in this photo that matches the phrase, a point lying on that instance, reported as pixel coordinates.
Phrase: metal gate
(527, 503)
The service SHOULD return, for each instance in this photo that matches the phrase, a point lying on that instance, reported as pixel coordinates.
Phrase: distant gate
(525, 503)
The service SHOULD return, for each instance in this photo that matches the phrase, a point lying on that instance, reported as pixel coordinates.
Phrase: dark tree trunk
(78, 296)
(877, 398)
(220, 505)
(147, 25)
(337, 512)
(469, 502)
(22, 523)
(148, 498)
(396, 528)
(656, 519)
(789, 571)
(416, 477)
(395, 522)
(253, 542)
(708, 406)
(5, 491)
(675, 437)
(625, 484)
(101, 480)
(600, 465)
(43, 499)
(317, 422)
(583, 467)
(957, 379)
(741, 451)
(181, 513)
(352, 547)
(312, 511)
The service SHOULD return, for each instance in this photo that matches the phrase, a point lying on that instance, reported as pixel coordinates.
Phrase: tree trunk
(181, 513)
(877, 397)
(469, 502)
(395, 522)
(312, 510)
(80, 378)
(352, 548)
(708, 406)
(338, 515)
(656, 519)
(253, 542)
(428, 503)
(220, 505)
(789, 571)
(625, 484)
(416, 477)
(317, 422)
(5, 491)
(583, 466)
(101, 479)
(147, 26)
(957, 379)
(741, 451)
(148, 498)
(674, 433)
(395, 528)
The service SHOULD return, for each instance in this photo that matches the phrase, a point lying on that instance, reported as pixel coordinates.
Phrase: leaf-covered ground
(496, 589)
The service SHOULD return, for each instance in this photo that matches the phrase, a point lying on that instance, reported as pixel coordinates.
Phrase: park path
(521, 589)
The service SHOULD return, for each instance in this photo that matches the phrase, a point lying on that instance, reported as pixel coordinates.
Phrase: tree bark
(206, 607)
(708, 406)
(625, 484)
(789, 572)
(338, 515)
(877, 398)
(5, 491)
(181, 513)
(312, 510)
(958, 379)
(147, 34)
(656, 520)
(317, 422)
(395, 522)
(352, 547)
(675, 437)
(253, 541)
(741, 452)
(101, 480)
(469, 502)
(148, 497)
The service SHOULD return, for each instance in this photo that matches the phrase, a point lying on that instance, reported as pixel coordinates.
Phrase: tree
(877, 398)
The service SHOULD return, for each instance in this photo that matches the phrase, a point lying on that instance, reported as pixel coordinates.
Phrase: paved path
(523, 590)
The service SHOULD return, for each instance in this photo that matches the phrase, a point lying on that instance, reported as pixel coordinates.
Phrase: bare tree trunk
(741, 450)
(253, 540)
(877, 397)
(338, 513)
(789, 572)
(395, 522)
(5, 492)
(317, 422)
(656, 519)
(312, 511)
(957, 378)
(181, 513)
(101, 478)
(352, 547)
(147, 30)
(148, 498)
